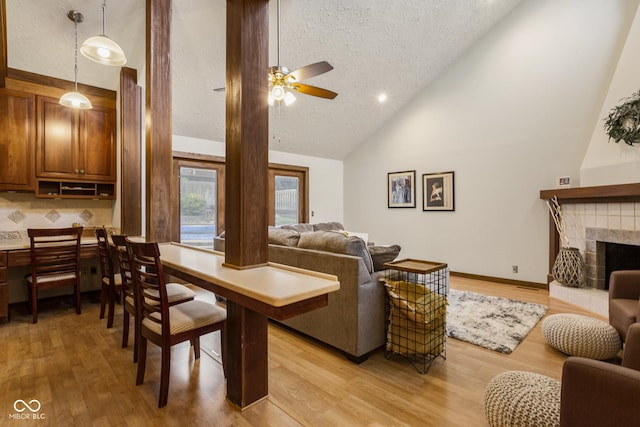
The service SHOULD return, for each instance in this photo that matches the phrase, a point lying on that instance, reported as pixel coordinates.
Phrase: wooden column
(3, 42)
(247, 122)
(158, 121)
(130, 153)
(246, 213)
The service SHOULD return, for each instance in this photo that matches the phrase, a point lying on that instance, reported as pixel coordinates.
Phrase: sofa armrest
(624, 284)
(596, 393)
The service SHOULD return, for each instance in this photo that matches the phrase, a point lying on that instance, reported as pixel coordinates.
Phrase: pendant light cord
(104, 18)
(75, 68)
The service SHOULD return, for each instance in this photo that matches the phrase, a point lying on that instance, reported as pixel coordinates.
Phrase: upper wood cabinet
(16, 140)
(75, 144)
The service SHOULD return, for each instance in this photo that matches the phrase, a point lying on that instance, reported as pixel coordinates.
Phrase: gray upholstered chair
(624, 297)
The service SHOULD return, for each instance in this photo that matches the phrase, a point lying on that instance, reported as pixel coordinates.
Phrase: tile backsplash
(20, 211)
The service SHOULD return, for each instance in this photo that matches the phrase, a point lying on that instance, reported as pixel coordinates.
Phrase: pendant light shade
(75, 99)
(102, 49)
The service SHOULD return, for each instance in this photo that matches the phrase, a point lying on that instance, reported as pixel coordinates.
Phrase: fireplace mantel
(598, 194)
(621, 193)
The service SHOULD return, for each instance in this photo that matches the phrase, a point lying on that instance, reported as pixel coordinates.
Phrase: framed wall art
(401, 189)
(437, 192)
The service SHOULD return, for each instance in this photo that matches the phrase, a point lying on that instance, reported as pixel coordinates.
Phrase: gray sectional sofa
(354, 319)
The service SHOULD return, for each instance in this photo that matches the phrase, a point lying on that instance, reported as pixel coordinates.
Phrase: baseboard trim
(520, 283)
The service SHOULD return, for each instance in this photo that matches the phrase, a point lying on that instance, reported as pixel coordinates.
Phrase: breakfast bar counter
(253, 295)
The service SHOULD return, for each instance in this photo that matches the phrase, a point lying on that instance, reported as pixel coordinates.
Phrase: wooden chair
(111, 282)
(55, 256)
(161, 324)
(176, 294)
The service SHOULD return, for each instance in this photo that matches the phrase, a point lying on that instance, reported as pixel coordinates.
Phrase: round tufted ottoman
(521, 399)
(582, 336)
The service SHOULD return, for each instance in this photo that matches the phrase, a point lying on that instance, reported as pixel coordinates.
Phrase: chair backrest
(54, 252)
(120, 243)
(148, 276)
(104, 254)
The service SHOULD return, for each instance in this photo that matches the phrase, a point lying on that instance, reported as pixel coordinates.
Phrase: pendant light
(102, 49)
(75, 99)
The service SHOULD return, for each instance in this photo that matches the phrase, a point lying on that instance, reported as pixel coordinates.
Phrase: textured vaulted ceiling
(390, 46)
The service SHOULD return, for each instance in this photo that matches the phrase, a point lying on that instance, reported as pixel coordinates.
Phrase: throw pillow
(327, 226)
(337, 243)
(300, 228)
(283, 237)
(382, 254)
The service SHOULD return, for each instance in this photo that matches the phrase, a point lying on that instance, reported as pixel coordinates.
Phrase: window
(200, 185)
(287, 195)
(198, 197)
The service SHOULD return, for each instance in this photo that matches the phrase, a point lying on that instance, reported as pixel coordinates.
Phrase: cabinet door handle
(77, 171)
(81, 170)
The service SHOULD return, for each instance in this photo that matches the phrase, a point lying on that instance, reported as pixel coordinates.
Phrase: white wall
(516, 111)
(607, 162)
(325, 176)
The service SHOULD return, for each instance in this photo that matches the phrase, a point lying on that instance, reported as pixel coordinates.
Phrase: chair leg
(142, 360)
(223, 349)
(103, 300)
(34, 304)
(125, 328)
(164, 376)
(136, 338)
(76, 289)
(195, 342)
(112, 306)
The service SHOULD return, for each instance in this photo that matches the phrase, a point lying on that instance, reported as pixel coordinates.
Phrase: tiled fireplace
(594, 216)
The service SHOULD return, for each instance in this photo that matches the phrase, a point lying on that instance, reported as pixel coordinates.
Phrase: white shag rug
(495, 323)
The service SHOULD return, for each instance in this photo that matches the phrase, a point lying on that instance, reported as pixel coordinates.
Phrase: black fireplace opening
(620, 257)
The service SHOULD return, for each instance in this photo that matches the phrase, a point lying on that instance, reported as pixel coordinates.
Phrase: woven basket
(568, 269)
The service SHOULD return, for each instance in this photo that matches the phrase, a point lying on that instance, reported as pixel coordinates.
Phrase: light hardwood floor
(75, 367)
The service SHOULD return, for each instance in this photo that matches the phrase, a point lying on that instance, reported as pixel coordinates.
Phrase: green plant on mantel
(623, 121)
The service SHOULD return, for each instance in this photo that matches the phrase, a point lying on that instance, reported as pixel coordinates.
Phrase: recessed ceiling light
(382, 97)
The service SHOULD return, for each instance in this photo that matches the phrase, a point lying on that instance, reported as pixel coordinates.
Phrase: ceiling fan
(283, 82)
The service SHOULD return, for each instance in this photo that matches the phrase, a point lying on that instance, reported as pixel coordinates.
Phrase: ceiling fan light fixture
(289, 98)
(102, 49)
(278, 93)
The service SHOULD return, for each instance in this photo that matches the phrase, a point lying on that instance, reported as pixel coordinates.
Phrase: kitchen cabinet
(16, 140)
(75, 144)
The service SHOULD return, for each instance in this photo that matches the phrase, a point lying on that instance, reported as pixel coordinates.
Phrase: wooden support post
(158, 109)
(131, 153)
(247, 123)
(3, 42)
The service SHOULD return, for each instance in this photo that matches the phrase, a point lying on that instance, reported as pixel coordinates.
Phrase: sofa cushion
(327, 226)
(382, 254)
(283, 237)
(336, 242)
(300, 228)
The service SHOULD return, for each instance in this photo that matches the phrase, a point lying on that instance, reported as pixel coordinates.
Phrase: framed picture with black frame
(401, 189)
(437, 192)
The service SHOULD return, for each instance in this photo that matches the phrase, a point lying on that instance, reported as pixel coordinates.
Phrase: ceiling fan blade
(311, 70)
(314, 91)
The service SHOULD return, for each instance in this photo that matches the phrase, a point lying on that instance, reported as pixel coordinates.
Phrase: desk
(17, 253)
(252, 295)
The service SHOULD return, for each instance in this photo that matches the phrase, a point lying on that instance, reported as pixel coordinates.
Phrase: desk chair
(111, 282)
(55, 256)
(176, 294)
(161, 324)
